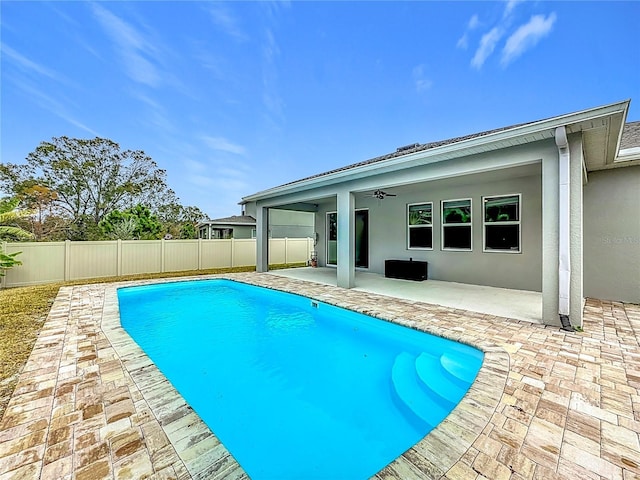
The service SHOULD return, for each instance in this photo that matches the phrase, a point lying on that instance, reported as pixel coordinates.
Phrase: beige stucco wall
(612, 235)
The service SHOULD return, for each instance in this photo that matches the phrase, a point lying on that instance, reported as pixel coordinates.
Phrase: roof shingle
(630, 135)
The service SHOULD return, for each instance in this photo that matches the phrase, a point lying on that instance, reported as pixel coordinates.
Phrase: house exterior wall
(388, 233)
(285, 223)
(239, 231)
(612, 234)
(290, 224)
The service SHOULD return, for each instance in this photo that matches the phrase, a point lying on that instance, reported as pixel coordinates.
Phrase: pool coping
(432, 457)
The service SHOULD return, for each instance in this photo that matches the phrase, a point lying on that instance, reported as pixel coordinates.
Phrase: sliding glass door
(332, 239)
(361, 246)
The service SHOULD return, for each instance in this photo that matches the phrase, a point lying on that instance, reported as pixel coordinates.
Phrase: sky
(238, 97)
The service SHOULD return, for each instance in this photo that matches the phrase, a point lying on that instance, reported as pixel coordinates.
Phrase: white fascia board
(530, 132)
(628, 154)
(237, 224)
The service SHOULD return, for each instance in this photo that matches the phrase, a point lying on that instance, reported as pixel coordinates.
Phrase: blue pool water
(295, 390)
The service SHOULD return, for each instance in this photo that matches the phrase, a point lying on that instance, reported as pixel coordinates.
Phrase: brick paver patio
(547, 404)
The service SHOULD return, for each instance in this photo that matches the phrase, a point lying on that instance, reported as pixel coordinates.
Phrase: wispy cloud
(510, 6)
(487, 45)
(220, 179)
(28, 65)
(226, 21)
(156, 113)
(270, 96)
(527, 36)
(522, 39)
(138, 54)
(223, 145)
(472, 24)
(53, 105)
(420, 79)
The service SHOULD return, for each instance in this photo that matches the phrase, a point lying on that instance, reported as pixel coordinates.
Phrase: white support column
(550, 240)
(346, 239)
(576, 292)
(564, 222)
(262, 239)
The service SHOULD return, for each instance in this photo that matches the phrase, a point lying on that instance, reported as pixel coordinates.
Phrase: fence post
(199, 254)
(3, 279)
(233, 252)
(119, 258)
(162, 255)
(67, 260)
(286, 250)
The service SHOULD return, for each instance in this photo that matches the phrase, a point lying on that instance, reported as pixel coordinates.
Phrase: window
(222, 233)
(420, 226)
(456, 224)
(502, 223)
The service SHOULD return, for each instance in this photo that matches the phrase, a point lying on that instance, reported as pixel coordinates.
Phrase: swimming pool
(296, 388)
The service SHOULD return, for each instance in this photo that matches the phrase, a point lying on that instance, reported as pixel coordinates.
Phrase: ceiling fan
(381, 194)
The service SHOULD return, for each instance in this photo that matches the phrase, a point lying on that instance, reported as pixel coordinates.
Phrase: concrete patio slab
(502, 302)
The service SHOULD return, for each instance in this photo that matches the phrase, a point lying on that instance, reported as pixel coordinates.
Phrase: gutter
(564, 217)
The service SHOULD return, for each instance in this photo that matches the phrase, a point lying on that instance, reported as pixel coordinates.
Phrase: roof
(402, 151)
(234, 219)
(630, 136)
(601, 125)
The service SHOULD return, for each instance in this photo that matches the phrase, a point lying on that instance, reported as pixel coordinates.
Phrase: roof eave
(466, 147)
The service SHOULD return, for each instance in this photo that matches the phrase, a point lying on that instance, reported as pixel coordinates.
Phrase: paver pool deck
(547, 404)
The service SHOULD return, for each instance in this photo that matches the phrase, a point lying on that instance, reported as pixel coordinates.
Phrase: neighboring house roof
(630, 135)
(600, 126)
(233, 220)
(629, 153)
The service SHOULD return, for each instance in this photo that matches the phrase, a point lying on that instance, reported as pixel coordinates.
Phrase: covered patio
(501, 302)
(501, 208)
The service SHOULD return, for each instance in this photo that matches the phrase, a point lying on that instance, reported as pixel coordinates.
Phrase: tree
(124, 229)
(180, 221)
(137, 222)
(39, 199)
(83, 228)
(9, 215)
(8, 260)
(73, 184)
(94, 177)
(9, 231)
(188, 231)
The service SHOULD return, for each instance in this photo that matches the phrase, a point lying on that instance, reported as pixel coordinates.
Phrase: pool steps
(429, 387)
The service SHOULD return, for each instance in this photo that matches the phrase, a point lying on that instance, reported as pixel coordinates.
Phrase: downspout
(564, 217)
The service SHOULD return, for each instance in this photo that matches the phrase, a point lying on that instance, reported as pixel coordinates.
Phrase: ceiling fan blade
(381, 194)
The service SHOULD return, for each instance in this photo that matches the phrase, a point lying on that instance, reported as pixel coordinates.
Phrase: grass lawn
(23, 311)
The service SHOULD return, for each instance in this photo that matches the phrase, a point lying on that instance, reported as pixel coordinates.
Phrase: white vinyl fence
(47, 262)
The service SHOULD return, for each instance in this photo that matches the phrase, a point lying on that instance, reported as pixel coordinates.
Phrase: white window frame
(518, 222)
(409, 227)
(444, 225)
